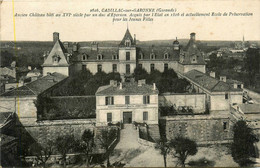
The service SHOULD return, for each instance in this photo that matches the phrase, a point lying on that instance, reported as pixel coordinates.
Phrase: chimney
(141, 82)
(55, 37)
(192, 36)
(120, 86)
(94, 46)
(113, 83)
(212, 74)
(223, 78)
(75, 47)
(134, 39)
(235, 85)
(154, 86)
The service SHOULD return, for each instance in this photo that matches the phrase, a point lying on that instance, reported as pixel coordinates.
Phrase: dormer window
(127, 43)
(140, 56)
(152, 56)
(115, 57)
(166, 56)
(84, 57)
(99, 57)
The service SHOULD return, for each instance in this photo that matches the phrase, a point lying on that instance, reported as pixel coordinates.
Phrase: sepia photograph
(129, 83)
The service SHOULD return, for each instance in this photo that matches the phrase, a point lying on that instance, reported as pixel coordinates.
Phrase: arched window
(140, 56)
(84, 57)
(152, 56)
(166, 56)
(99, 57)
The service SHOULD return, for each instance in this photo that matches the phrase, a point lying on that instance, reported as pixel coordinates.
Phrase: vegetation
(163, 146)
(242, 147)
(166, 81)
(173, 110)
(106, 137)
(42, 153)
(86, 83)
(64, 145)
(87, 144)
(202, 162)
(183, 147)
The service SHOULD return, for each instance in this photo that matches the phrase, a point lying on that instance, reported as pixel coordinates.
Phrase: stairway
(154, 131)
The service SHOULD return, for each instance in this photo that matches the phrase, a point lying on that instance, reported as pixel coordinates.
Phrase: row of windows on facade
(109, 100)
(145, 116)
(116, 57)
(114, 67)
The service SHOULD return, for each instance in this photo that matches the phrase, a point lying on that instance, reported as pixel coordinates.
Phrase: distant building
(58, 59)
(34, 74)
(127, 102)
(124, 58)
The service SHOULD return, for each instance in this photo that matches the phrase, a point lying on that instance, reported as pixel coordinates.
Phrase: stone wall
(50, 130)
(204, 129)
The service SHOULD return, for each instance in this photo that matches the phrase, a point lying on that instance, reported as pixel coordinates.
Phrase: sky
(102, 28)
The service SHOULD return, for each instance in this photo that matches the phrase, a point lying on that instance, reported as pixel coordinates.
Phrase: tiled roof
(159, 52)
(58, 50)
(127, 36)
(208, 82)
(250, 108)
(128, 88)
(36, 87)
(6, 139)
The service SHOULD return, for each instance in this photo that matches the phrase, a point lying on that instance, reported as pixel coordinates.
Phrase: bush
(203, 162)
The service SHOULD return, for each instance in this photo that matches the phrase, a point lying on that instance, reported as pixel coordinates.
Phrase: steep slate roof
(59, 50)
(189, 51)
(128, 88)
(208, 82)
(159, 52)
(36, 87)
(127, 36)
(250, 108)
(106, 52)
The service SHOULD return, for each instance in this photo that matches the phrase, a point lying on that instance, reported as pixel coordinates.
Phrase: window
(99, 68)
(152, 56)
(127, 99)
(140, 66)
(140, 56)
(99, 57)
(146, 99)
(109, 117)
(84, 57)
(114, 67)
(226, 96)
(166, 56)
(127, 66)
(128, 43)
(84, 67)
(115, 57)
(224, 126)
(109, 100)
(127, 56)
(152, 67)
(145, 115)
(165, 67)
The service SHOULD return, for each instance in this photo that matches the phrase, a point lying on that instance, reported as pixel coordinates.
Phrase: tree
(106, 137)
(64, 145)
(42, 153)
(164, 147)
(183, 147)
(242, 147)
(140, 73)
(87, 145)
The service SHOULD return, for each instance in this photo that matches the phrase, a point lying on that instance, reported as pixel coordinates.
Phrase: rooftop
(128, 88)
(250, 108)
(38, 86)
(4, 117)
(209, 83)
